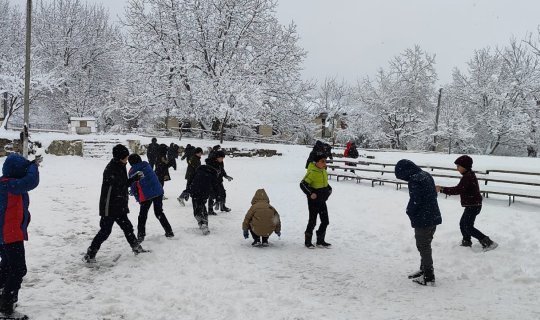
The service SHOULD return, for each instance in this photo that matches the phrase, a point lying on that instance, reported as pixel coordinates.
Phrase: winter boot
(265, 242)
(488, 244)
(169, 234)
(181, 201)
(7, 304)
(466, 243)
(205, 230)
(427, 278)
(211, 211)
(256, 242)
(307, 241)
(140, 237)
(320, 240)
(90, 256)
(138, 249)
(223, 207)
(416, 274)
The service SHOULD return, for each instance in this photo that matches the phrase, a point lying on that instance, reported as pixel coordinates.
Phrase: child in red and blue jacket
(18, 177)
(147, 191)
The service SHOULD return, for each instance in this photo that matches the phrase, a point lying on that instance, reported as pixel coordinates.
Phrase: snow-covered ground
(221, 276)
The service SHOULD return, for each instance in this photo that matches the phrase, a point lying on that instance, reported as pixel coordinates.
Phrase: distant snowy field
(220, 276)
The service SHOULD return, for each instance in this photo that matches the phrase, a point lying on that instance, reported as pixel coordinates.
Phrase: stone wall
(66, 148)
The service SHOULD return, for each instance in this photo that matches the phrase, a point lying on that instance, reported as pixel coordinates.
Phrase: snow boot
(181, 201)
(211, 212)
(256, 243)
(416, 274)
(320, 240)
(169, 234)
(223, 207)
(90, 256)
(307, 241)
(488, 244)
(138, 249)
(15, 315)
(427, 278)
(140, 237)
(7, 306)
(466, 243)
(205, 230)
(265, 242)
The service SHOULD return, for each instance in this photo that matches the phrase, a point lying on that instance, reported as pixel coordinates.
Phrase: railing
(503, 185)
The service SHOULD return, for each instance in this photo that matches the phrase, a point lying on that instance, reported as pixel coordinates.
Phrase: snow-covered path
(221, 276)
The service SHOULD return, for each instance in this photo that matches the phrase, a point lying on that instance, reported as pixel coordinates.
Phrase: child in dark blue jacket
(147, 191)
(18, 177)
(423, 211)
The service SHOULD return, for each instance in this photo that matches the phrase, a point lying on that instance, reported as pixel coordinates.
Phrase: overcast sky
(351, 39)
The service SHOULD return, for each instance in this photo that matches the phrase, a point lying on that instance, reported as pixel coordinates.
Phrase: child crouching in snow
(471, 199)
(261, 219)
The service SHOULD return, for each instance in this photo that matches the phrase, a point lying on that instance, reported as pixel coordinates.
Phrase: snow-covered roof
(82, 119)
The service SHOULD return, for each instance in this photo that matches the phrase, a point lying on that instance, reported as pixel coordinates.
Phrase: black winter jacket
(423, 208)
(193, 163)
(152, 152)
(113, 200)
(204, 183)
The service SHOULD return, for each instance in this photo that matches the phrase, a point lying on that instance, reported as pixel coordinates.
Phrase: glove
(278, 233)
(37, 160)
(138, 176)
(185, 195)
(246, 234)
(229, 178)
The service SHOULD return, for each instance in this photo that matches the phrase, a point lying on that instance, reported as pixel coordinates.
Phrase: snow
(220, 276)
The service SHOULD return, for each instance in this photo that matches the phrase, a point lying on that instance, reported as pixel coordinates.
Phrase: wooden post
(27, 77)
(434, 146)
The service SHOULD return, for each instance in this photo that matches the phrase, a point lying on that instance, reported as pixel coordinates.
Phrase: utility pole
(434, 147)
(27, 77)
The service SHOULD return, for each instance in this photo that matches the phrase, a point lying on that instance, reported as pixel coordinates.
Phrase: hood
(15, 166)
(140, 166)
(405, 169)
(313, 167)
(260, 195)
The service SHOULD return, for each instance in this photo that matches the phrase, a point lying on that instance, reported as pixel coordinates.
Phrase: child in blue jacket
(18, 177)
(147, 191)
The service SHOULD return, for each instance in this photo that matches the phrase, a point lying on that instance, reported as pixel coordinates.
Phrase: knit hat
(134, 159)
(464, 161)
(197, 150)
(154, 140)
(15, 166)
(219, 154)
(318, 156)
(120, 152)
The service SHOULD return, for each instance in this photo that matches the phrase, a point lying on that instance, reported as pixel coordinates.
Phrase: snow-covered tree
(217, 61)
(12, 60)
(78, 42)
(499, 89)
(402, 98)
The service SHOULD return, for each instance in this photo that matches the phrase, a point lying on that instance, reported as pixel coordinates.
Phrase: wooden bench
(512, 193)
(482, 175)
